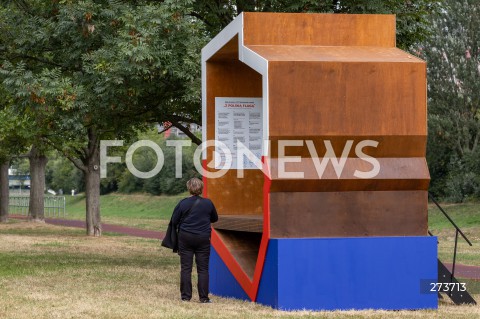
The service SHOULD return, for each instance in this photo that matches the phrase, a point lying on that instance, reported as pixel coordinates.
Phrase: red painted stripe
(266, 228)
(250, 287)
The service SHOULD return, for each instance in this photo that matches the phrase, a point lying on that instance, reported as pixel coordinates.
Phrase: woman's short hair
(195, 186)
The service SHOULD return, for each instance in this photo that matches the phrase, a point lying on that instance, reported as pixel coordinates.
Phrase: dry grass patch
(55, 272)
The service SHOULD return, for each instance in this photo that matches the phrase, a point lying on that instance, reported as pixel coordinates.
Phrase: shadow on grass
(42, 232)
(17, 264)
(57, 255)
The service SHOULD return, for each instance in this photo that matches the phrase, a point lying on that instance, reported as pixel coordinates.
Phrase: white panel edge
(253, 60)
(231, 30)
(204, 106)
(265, 109)
(234, 28)
(259, 64)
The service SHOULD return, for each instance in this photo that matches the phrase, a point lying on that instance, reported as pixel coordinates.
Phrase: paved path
(464, 271)
(461, 271)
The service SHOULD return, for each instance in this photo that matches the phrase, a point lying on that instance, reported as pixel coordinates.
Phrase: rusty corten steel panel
(319, 29)
(347, 99)
(288, 53)
(348, 214)
(232, 195)
(394, 174)
(388, 145)
(351, 84)
(228, 53)
(245, 223)
(243, 247)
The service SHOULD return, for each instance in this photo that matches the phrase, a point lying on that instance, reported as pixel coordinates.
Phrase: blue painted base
(222, 282)
(349, 273)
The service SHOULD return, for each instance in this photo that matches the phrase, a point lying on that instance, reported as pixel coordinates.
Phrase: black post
(454, 256)
(449, 219)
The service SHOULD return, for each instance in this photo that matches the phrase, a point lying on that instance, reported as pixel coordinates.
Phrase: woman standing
(193, 215)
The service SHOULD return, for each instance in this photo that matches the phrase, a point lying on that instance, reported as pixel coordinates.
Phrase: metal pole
(448, 217)
(454, 256)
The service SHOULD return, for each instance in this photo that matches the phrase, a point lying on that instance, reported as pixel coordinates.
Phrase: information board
(238, 119)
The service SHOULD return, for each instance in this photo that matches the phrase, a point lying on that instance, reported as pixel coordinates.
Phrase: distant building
(18, 181)
(173, 131)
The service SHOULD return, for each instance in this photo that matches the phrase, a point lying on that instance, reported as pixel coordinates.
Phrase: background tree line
(74, 73)
(452, 52)
(62, 176)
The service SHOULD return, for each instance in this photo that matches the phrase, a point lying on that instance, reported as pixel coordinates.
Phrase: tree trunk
(38, 162)
(4, 191)
(92, 185)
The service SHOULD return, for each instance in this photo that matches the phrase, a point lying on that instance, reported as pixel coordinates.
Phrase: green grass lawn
(467, 218)
(50, 271)
(126, 206)
(153, 213)
(143, 210)
(139, 210)
(153, 207)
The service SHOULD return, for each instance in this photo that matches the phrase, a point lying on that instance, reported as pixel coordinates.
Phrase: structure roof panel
(333, 53)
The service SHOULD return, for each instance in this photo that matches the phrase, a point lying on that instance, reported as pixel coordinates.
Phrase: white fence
(54, 205)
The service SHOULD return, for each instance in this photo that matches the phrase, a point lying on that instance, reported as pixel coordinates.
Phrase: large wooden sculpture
(337, 216)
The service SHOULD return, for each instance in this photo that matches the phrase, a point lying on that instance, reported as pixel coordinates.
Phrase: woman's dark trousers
(190, 245)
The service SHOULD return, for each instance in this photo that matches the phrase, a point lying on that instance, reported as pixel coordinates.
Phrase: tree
(95, 70)
(38, 162)
(61, 174)
(100, 70)
(15, 135)
(453, 57)
(167, 181)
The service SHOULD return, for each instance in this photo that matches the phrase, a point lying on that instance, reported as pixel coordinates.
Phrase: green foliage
(21, 165)
(111, 66)
(129, 184)
(412, 16)
(463, 178)
(16, 133)
(93, 70)
(104, 66)
(453, 57)
(63, 175)
(90, 70)
(165, 182)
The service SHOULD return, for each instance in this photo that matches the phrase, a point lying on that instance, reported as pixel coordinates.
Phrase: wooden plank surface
(244, 247)
(245, 223)
(307, 53)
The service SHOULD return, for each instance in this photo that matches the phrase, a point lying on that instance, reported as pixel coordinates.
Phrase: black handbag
(171, 236)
